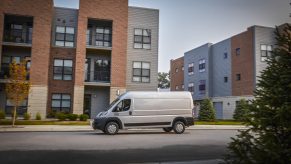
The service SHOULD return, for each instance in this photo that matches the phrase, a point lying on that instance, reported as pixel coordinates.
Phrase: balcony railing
(99, 40)
(97, 76)
(17, 36)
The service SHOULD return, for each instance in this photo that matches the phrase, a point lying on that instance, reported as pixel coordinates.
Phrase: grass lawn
(218, 122)
(43, 122)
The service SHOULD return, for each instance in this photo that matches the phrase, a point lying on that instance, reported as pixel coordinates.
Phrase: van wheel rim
(179, 127)
(112, 129)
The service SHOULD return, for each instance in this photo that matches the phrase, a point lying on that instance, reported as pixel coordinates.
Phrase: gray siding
(193, 56)
(64, 17)
(221, 67)
(145, 19)
(262, 35)
(99, 99)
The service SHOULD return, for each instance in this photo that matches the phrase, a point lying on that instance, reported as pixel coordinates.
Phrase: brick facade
(177, 78)
(243, 63)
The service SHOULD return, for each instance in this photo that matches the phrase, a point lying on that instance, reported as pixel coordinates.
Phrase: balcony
(17, 36)
(97, 78)
(99, 34)
(17, 30)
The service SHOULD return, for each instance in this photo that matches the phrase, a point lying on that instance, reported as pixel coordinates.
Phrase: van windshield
(113, 102)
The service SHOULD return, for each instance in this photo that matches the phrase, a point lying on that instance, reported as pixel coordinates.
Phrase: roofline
(145, 8)
(199, 47)
(66, 8)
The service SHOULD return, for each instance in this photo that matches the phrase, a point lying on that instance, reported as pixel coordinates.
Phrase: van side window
(123, 106)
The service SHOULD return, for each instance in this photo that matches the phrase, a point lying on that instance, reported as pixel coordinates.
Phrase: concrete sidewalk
(73, 128)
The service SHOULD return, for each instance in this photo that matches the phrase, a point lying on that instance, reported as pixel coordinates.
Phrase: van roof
(151, 94)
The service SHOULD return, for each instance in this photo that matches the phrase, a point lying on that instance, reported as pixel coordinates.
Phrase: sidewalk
(66, 128)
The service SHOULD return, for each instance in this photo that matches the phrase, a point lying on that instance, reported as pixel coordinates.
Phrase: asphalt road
(126, 147)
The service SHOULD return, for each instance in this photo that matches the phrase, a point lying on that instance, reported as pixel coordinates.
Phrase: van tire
(179, 127)
(111, 128)
(168, 129)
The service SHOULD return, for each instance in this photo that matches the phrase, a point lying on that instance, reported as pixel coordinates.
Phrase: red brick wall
(114, 10)
(41, 11)
(60, 86)
(177, 78)
(243, 64)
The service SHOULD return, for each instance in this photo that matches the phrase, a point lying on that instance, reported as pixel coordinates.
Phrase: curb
(62, 128)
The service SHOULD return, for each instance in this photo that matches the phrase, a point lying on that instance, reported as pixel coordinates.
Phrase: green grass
(43, 122)
(218, 122)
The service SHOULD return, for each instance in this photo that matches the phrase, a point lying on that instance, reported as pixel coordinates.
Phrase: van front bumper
(99, 123)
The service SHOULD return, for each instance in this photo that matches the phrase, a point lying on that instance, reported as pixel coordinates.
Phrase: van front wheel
(111, 128)
(179, 127)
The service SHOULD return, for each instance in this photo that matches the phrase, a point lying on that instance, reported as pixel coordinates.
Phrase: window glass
(146, 65)
(60, 43)
(60, 29)
(68, 63)
(137, 45)
(69, 44)
(60, 36)
(56, 96)
(136, 79)
(70, 30)
(145, 72)
(99, 30)
(56, 103)
(6, 59)
(136, 64)
(58, 62)
(146, 46)
(142, 38)
(136, 72)
(145, 79)
(137, 31)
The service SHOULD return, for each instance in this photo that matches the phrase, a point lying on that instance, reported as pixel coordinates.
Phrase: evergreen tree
(206, 112)
(268, 139)
(241, 110)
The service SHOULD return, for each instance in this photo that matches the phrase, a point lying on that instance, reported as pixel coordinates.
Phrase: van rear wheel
(168, 129)
(111, 128)
(179, 127)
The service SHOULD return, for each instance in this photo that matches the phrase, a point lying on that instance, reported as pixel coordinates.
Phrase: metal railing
(97, 76)
(17, 36)
(91, 40)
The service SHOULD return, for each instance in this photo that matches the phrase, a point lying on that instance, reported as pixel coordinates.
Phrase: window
(65, 36)
(141, 72)
(103, 36)
(142, 38)
(266, 51)
(123, 106)
(238, 77)
(225, 55)
(202, 86)
(63, 69)
(182, 68)
(202, 65)
(237, 51)
(177, 87)
(225, 79)
(176, 70)
(61, 102)
(191, 88)
(191, 69)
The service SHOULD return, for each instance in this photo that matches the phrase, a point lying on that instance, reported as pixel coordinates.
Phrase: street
(134, 146)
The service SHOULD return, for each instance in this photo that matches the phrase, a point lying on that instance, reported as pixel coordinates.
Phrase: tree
(241, 110)
(268, 138)
(17, 87)
(206, 112)
(164, 81)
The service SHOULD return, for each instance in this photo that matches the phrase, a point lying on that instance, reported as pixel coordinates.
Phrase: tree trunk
(14, 116)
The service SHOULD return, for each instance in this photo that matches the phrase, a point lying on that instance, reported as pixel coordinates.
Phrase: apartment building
(177, 74)
(79, 60)
(228, 70)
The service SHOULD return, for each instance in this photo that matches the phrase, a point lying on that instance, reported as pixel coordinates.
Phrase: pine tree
(206, 112)
(268, 139)
(241, 110)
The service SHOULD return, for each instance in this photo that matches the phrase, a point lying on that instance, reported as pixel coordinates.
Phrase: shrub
(241, 110)
(38, 116)
(206, 112)
(72, 117)
(51, 114)
(26, 116)
(61, 116)
(2, 114)
(84, 117)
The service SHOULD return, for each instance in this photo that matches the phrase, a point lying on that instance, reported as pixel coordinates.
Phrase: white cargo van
(167, 110)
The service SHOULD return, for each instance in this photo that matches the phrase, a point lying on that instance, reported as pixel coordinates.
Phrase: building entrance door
(87, 105)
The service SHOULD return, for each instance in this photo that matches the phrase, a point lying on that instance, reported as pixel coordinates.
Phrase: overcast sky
(186, 24)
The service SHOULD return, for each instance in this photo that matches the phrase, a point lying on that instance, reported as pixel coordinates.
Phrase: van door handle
(130, 112)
